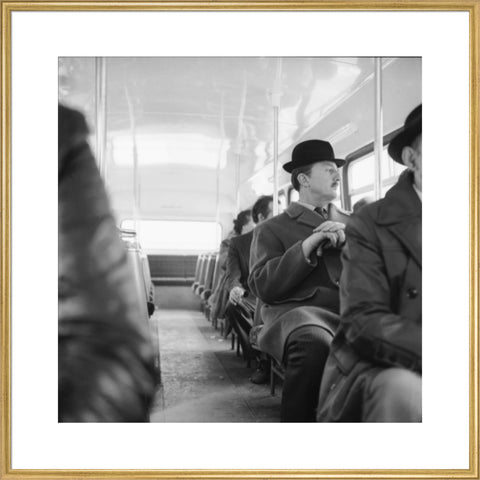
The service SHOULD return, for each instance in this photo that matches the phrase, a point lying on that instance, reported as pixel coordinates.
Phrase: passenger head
(406, 146)
(262, 209)
(361, 203)
(314, 171)
(243, 223)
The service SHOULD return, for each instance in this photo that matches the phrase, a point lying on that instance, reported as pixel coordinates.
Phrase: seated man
(218, 300)
(294, 271)
(374, 372)
(240, 311)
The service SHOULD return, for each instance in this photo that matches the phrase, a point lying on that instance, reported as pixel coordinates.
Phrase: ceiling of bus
(183, 117)
(179, 107)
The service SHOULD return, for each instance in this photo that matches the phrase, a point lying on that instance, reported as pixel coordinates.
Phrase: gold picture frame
(472, 7)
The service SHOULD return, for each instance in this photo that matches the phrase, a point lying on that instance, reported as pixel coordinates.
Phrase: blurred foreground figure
(105, 359)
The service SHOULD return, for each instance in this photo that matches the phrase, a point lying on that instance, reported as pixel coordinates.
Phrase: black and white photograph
(214, 227)
(240, 239)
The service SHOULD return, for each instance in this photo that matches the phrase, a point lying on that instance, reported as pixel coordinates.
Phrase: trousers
(393, 395)
(240, 318)
(305, 355)
(376, 394)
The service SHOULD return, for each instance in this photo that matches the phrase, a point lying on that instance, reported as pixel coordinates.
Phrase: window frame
(357, 155)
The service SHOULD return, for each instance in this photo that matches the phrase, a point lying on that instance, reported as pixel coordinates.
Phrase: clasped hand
(328, 234)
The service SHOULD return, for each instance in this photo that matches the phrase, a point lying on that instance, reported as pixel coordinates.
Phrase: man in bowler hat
(374, 371)
(294, 271)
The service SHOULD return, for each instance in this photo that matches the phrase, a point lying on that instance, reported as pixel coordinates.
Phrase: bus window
(173, 236)
(360, 176)
(292, 195)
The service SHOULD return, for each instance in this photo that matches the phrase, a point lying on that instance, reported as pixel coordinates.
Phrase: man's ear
(408, 158)
(303, 180)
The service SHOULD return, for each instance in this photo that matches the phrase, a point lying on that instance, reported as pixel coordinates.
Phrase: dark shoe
(260, 376)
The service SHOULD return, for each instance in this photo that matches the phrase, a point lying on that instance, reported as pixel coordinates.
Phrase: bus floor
(203, 380)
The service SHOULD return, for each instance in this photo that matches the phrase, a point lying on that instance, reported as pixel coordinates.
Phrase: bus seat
(209, 279)
(201, 279)
(198, 268)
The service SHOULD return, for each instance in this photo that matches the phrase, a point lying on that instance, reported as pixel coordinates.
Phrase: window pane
(176, 236)
(361, 173)
(293, 195)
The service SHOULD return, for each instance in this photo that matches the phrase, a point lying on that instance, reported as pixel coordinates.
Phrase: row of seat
(207, 273)
(145, 291)
(207, 278)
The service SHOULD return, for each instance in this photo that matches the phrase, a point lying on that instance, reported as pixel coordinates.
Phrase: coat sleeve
(234, 272)
(371, 327)
(275, 272)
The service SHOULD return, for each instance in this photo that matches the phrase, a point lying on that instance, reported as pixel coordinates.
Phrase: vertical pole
(237, 181)
(275, 159)
(101, 113)
(219, 161)
(378, 128)
(275, 99)
(136, 176)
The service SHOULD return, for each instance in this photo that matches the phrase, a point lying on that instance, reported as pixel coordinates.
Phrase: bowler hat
(411, 129)
(312, 151)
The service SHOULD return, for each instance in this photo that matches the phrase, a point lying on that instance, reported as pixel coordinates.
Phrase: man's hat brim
(290, 166)
(410, 131)
(402, 140)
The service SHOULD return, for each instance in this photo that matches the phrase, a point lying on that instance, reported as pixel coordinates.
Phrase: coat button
(412, 293)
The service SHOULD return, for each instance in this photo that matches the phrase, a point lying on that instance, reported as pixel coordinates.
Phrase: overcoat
(238, 261)
(381, 298)
(219, 298)
(293, 291)
(238, 269)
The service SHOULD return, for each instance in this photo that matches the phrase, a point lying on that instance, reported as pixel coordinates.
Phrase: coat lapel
(311, 219)
(410, 235)
(303, 215)
(401, 213)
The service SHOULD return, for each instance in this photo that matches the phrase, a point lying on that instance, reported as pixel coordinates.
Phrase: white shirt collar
(312, 207)
(306, 205)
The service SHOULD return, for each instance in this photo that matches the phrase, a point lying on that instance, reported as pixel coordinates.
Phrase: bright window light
(173, 236)
(173, 148)
(361, 175)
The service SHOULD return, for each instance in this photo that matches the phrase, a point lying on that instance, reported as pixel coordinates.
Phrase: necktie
(321, 212)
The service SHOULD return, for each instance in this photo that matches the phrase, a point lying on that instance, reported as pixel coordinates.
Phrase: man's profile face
(412, 158)
(325, 180)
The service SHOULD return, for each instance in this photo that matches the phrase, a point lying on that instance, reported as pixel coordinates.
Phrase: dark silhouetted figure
(105, 358)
